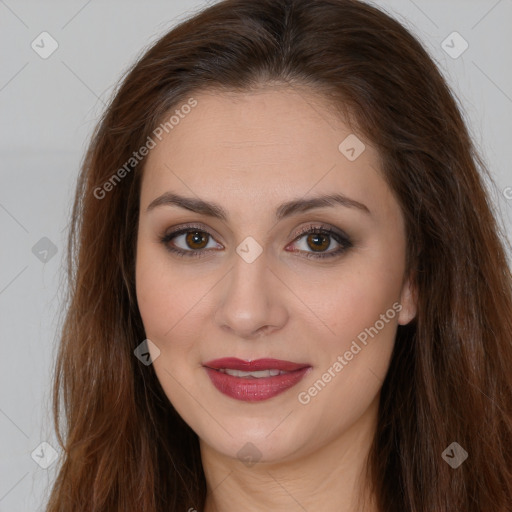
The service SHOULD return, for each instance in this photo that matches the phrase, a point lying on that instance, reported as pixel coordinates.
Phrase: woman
(288, 289)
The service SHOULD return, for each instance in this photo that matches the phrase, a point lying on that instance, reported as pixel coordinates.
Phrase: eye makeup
(315, 233)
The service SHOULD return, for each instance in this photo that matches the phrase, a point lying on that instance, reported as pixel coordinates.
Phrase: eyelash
(341, 238)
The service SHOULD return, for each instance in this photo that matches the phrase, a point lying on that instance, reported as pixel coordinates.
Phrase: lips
(233, 363)
(253, 381)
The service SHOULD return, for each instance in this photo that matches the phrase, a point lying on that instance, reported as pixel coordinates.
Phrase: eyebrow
(286, 209)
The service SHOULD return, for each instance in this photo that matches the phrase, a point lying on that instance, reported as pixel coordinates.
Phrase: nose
(252, 301)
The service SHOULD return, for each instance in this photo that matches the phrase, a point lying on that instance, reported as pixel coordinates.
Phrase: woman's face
(251, 283)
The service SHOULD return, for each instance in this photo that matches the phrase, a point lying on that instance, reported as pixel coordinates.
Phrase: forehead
(262, 123)
(259, 145)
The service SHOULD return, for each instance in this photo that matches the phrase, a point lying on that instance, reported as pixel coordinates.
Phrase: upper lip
(232, 363)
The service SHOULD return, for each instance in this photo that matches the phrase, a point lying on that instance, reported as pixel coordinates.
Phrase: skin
(250, 152)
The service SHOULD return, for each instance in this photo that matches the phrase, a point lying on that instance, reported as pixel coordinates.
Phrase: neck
(330, 478)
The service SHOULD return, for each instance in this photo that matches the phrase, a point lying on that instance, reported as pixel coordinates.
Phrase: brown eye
(314, 242)
(189, 241)
(318, 241)
(196, 239)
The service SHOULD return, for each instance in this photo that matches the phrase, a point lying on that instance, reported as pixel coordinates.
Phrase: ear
(409, 302)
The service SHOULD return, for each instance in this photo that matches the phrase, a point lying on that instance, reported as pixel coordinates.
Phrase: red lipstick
(268, 378)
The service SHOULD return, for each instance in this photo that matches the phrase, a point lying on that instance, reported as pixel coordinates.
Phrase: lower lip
(254, 390)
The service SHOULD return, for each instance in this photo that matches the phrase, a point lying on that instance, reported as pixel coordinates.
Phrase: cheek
(160, 295)
(360, 305)
(361, 313)
(170, 300)
(355, 298)
(154, 303)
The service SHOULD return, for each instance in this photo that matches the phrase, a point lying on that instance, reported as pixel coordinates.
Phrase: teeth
(257, 375)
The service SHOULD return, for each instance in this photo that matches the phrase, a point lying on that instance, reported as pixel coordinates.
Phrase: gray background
(48, 108)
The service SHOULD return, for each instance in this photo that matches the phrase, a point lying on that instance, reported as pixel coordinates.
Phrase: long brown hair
(125, 447)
